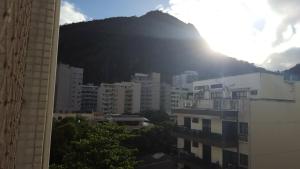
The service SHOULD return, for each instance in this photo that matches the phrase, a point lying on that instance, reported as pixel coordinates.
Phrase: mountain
(295, 69)
(293, 73)
(284, 60)
(113, 49)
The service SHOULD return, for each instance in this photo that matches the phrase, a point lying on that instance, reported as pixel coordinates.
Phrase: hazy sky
(249, 30)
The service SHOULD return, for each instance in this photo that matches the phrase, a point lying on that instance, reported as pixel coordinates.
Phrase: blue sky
(99, 9)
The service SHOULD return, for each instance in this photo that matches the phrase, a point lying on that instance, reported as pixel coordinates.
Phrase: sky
(258, 31)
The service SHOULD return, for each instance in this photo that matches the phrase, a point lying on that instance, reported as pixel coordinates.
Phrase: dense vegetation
(113, 49)
(79, 144)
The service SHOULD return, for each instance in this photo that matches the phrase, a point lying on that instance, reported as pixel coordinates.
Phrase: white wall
(196, 126)
(216, 126)
(216, 155)
(136, 98)
(275, 135)
(197, 151)
(251, 81)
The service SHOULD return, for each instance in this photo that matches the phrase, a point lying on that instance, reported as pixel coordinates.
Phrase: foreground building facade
(249, 121)
(28, 50)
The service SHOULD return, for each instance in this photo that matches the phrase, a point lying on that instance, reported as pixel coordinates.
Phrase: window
(239, 94)
(243, 160)
(195, 120)
(253, 92)
(201, 88)
(195, 144)
(243, 132)
(215, 86)
(216, 95)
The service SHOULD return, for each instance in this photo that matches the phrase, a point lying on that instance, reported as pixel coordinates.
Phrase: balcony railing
(218, 104)
(207, 138)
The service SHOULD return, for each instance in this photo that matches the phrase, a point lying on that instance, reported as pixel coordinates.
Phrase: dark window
(253, 92)
(243, 133)
(195, 120)
(244, 160)
(215, 86)
(195, 144)
(201, 88)
(206, 126)
(216, 95)
(239, 94)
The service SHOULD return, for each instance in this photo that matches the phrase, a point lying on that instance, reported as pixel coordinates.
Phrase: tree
(86, 146)
(154, 139)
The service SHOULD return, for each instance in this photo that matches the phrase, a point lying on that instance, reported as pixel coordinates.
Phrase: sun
(238, 28)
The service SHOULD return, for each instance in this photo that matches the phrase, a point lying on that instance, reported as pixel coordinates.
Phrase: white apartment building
(185, 80)
(68, 88)
(89, 93)
(249, 121)
(119, 98)
(150, 90)
(165, 97)
(179, 97)
(173, 98)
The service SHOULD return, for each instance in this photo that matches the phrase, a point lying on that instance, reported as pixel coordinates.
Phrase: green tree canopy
(76, 144)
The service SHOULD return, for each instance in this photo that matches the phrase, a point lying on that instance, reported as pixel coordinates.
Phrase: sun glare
(238, 28)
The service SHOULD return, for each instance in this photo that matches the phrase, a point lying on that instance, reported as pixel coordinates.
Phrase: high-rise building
(119, 98)
(185, 80)
(89, 95)
(249, 121)
(165, 97)
(173, 98)
(180, 97)
(68, 88)
(150, 90)
(28, 52)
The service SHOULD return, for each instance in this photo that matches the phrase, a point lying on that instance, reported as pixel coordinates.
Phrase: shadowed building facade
(28, 51)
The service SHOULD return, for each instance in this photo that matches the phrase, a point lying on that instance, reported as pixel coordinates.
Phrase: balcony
(213, 139)
(227, 109)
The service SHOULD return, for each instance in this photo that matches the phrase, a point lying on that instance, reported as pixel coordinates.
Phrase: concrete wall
(216, 155)
(180, 119)
(197, 151)
(196, 126)
(245, 81)
(68, 88)
(274, 87)
(36, 118)
(119, 97)
(275, 135)
(216, 126)
(136, 98)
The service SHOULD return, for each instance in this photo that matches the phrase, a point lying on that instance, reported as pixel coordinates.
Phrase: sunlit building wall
(250, 120)
(28, 51)
(119, 98)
